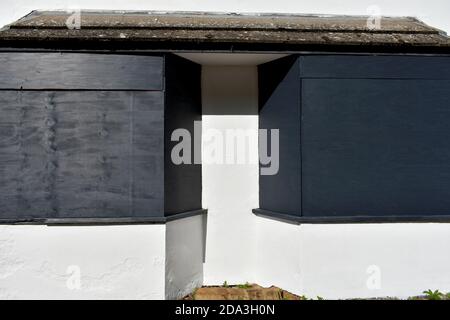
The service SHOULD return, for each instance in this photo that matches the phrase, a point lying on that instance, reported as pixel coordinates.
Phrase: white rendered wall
(102, 262)
(354, 261)
(82, 262)
(185, 246)
(230, 191)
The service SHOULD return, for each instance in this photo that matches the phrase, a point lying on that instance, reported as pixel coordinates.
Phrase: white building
(385, 251)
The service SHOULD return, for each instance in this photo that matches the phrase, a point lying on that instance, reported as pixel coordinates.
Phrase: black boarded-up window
(376, 147)
(373, 138)
(82, 135)
(81, 154)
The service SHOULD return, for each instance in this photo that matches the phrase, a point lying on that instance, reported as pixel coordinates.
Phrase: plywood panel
(81, 154)
(375, 147)
(279, 100)
(183, 182)
(73, 71)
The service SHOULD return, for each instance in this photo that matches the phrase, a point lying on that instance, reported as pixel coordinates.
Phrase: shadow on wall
(229, 90)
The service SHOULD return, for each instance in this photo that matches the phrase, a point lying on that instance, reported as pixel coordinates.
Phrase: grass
(244, 286)
(435, 295)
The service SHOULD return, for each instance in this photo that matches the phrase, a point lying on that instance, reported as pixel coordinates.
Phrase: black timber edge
(195, 46)
(351, 220)
(102, 221)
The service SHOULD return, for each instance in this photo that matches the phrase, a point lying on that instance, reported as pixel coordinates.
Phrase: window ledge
(350, 219)
(102, 221)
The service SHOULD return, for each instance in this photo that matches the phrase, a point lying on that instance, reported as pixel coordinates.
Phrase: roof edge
(39, 12)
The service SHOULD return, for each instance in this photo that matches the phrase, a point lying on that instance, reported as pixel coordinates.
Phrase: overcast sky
(433, 12)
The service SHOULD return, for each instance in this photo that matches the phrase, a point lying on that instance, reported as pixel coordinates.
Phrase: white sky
(433, 12)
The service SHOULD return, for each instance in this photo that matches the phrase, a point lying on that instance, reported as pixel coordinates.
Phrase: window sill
(353, 219)
(102, 221)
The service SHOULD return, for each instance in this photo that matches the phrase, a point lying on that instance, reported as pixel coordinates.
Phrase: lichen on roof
(213, 28)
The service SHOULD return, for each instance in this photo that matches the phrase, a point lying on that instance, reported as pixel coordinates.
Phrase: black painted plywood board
(183, 182)
(81, 154)
(375, 147)
(279, 101)
(80, 71)
(373, 138)
(87, 136)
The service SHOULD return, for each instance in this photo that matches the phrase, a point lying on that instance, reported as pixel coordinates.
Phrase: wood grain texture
(81, 154)
(80, 71)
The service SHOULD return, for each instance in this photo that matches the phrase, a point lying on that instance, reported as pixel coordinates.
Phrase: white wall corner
(185, 247)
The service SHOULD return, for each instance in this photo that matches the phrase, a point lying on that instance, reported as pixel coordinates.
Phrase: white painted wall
(114, 262)
(230, 191)
(185, 249)
(338, 261)
(102, 262)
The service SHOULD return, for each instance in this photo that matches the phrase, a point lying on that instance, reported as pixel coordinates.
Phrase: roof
(204, 30)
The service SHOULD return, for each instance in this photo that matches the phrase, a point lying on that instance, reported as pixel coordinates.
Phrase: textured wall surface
(92, 262)
(102, 262)
(351, 261)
